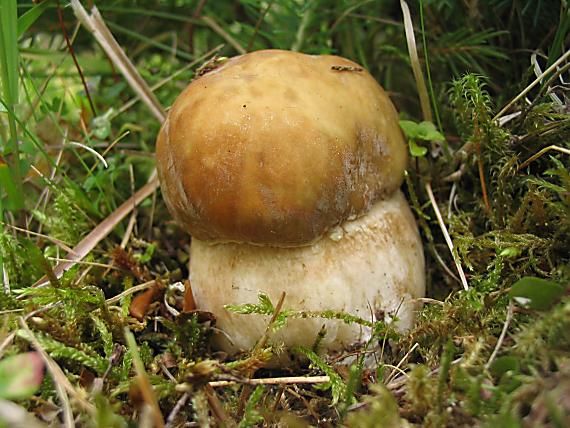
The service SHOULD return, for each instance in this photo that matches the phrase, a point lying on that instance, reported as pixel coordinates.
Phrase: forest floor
(95, 326)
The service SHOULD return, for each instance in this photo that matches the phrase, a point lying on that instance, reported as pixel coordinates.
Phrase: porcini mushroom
(285, 168)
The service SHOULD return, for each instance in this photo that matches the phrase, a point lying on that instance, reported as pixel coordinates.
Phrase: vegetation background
(90, 260)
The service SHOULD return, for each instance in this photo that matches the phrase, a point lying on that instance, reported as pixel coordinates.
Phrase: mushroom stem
(371, 267)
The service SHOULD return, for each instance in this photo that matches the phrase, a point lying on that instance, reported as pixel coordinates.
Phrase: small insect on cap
(277, 147)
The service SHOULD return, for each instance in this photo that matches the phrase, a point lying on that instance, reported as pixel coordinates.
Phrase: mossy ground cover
(119, 343)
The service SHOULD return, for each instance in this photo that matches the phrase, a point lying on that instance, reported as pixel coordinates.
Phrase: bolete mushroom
(285, 168)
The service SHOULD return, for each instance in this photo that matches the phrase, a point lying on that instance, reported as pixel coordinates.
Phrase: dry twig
(96, 25)
(297, 380)
(131, 290)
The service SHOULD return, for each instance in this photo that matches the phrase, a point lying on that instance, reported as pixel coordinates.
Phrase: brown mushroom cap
(277, 147)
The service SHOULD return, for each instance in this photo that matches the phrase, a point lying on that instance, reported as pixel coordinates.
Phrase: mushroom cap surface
(371, 267)
(276, 148)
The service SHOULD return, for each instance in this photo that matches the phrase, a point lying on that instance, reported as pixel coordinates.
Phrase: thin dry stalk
(297, 380)
(402, 361)
(538, 72)
(151, 217)
(508, 319)
(430, 301)
(129, 230)
(446, 236)
(401, 380)
(540, 153)
(109, 148)
(96, 25)
(482, 180)
(444, 265)
(58, 242)
(6, 342)
(535, 82)
(133, 220)
(415, 62)
(11, 311)
(481, 170)
(176, 409)
(5, 280)
(396, 369)
(80, 262)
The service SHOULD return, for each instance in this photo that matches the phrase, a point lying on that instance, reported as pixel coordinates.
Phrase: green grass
(495, 355)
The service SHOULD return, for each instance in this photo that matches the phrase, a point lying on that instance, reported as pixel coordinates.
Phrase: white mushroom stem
(371, 267)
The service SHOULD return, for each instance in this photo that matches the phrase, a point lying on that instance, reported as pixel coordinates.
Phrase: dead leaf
(189, 302)
(141, 302)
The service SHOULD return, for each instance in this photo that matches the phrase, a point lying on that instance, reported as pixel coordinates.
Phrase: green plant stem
(430, 84)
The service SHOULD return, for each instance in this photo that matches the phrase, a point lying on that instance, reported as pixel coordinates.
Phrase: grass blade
(27, 19)
(415, 62)
(9, 74)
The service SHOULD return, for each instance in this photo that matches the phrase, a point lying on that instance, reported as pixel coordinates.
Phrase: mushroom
(285, 168)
